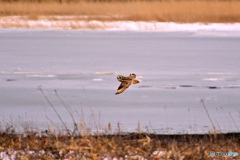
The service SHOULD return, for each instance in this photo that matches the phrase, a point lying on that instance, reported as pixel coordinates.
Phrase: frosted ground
(72, 22)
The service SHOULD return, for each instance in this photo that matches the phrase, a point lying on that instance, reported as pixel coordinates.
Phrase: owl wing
(123, 86)
(133, 76)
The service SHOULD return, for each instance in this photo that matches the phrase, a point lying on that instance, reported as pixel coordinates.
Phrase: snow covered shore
(71, 22)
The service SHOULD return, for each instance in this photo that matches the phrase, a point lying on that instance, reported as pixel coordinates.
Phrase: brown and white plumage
(126, 82)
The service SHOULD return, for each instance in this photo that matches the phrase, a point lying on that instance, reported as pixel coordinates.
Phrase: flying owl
(126, 82)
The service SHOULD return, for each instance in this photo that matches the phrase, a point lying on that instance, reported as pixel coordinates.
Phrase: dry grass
(48, 145)
(164, 11)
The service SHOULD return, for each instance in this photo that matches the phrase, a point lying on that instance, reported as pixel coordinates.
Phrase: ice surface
(176, 69)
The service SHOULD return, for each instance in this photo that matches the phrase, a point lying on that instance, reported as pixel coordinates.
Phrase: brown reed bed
(162, 11)
(52, 145)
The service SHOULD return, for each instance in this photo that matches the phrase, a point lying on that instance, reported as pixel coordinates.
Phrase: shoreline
(82, 23)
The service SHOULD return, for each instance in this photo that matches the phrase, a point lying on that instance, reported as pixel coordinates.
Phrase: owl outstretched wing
(133, 76)
(123, 86)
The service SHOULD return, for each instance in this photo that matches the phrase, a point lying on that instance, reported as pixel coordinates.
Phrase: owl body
(122, 78)
(126, 82)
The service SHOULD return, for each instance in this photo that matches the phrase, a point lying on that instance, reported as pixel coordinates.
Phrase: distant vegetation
(68, 1)
(136, 10)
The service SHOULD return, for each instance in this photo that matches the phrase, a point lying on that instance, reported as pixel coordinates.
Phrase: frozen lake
(176, 69)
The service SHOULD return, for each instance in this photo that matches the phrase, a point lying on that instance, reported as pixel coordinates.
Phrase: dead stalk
(40, 88)
(214, 129)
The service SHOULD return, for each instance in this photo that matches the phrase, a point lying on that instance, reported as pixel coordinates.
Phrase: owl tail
(135, 81)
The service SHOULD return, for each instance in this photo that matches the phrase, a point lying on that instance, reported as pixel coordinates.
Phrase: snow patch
(61, 22)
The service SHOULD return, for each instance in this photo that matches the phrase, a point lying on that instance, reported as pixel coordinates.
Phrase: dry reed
(163, 11)
(49, 145)
(214, 128)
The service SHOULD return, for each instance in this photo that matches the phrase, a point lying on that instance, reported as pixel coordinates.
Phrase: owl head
(120, 77)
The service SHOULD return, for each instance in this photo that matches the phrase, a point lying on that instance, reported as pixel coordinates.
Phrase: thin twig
(68, 109)
(189, 117)
(165, 108)
(90, 107)
(229, 121)
(218, 125)
(202, 101)
(49, 120)
(154, 131)
(233, 121)
(139, 128)
(40, 88)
